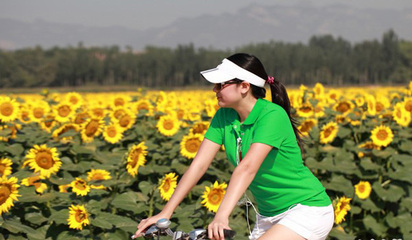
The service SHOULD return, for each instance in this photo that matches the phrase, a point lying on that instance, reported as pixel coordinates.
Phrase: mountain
(253, 24)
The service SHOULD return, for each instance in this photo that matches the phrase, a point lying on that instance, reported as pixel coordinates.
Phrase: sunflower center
(361, 188)
(328, 131)
(135, 157)
(2, 169)
(143, 106)
(80, 216)
(98, 112)
(192, 145)
(80, 184)
(215, 196)
(117, 114)
(25, 115)
(111, 131)
(64, 111)
(168, 124)
(81, 118)
(74, 100)
(199, 128)
(119, 102)
(306, 109)
(382, 135)
(307, 125)
(166, 185)
(6, 109)
(124, 120)
(343, 107)
(408, 106)
(398, 113)
(38, 112)
(5, 192)
(379, 107)
(92, 128)
(44, 159)
(98, 176)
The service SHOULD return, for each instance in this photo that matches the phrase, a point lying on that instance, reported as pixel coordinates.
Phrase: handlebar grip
(229, 234)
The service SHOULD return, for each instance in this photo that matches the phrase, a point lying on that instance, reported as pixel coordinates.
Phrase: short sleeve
(216, 129)
(272, 128)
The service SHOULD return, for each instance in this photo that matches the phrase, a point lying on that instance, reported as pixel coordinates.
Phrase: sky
(144, 14)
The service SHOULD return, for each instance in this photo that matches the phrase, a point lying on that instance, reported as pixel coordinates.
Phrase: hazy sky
(142, 14)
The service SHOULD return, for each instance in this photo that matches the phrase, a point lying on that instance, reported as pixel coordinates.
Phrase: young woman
(262, 142)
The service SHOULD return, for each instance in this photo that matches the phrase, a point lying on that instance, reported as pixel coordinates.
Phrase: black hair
(279, 93)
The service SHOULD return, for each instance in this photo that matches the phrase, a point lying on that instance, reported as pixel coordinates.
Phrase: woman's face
(228, 95)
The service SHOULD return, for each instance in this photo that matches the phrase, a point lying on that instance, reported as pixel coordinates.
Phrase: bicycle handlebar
(161, 228)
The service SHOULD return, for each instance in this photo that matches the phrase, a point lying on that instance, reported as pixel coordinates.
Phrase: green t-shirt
(282, 180)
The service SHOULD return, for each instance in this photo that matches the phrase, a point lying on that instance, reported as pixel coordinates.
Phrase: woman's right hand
(145, 223)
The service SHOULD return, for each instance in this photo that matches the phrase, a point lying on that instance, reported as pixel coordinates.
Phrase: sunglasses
(220, 86)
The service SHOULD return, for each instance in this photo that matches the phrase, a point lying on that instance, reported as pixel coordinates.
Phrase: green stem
(151, 202)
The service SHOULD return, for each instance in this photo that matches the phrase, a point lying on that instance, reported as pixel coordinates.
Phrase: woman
(262, 142)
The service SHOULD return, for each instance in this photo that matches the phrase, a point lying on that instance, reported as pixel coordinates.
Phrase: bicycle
(161, 228)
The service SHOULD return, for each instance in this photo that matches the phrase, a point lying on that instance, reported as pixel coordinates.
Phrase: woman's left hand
(216, 227)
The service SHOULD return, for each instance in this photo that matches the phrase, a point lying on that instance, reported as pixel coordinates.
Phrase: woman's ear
(244, 87)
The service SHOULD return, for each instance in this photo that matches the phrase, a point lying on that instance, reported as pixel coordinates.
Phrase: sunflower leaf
(392, 194)
(126, 201)
(370, 223)
(101, 223)
(17, 227)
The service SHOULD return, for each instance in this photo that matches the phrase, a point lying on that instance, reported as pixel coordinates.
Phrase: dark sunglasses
(220, 86)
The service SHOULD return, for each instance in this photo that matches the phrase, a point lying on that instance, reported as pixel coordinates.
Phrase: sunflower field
(92, 165)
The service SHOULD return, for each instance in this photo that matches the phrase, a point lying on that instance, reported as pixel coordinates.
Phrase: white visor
(227, 70)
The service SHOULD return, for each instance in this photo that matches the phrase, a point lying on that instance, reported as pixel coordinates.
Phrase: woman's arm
(204, 157)
(241, 178)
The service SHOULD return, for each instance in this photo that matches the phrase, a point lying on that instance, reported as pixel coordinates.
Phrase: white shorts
(312, 223)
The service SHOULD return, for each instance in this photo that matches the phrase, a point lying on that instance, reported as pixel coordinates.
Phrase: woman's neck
(245, 107)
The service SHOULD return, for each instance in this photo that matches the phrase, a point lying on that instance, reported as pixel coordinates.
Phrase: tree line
(326, 59)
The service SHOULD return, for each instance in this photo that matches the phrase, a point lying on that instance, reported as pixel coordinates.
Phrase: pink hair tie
(270, 80)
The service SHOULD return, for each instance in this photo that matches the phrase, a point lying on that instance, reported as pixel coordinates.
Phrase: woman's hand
(145, 223)
(216, 227)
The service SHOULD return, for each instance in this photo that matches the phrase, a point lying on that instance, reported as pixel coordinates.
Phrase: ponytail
(281, 98)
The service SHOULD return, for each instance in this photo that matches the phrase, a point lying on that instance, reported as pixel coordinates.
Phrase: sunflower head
(80, 187)
(381, 136)
(91, 129)
(190, 145)
(167, 186)
(329, 132)
(78, 217)
(5, 167)
(213, 196)
(307, 125)
(363, 189)
(341, 206)
(168, 125)
(112, 133)
(43, 160)
(136, 158)
(8, 193)
(9, 109)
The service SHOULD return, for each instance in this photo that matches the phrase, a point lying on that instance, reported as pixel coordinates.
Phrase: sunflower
(112, 133)
(329, 132)
(81, 118)
(44, 160)
(344, 107)
(35, 181)
(341, 208)
(211, 106)
(8, 193)
(144, 105)
(400, 115)
(80, 187)
(97, 111)
(120, 101)
(168, 125)
(9, 109)
(333, 96)
(408, 104)
(212, 197)
(38, 110)
(5, 167)
(13, 131)
(64, 112)
(57, 134)
(200, 127)
(90, 129)
(167, 186)
(382, 103)
(307, 125)
(75, 99)
(371, 103)
(382, 136)
(126, 120)
(360, 101)
(319, 90)
(78, 217)
(48, 123)
(363, 189)
(305, 110)
(319, 110)
(190, 145)
(136, 158)
(98, 175)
